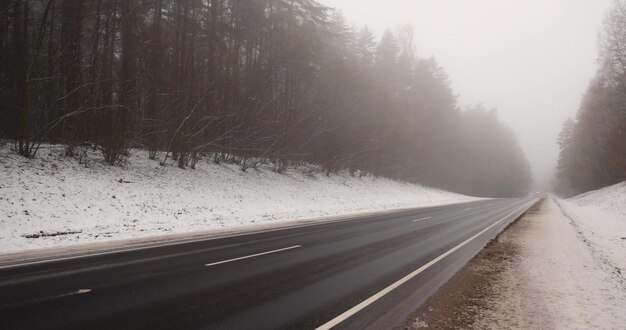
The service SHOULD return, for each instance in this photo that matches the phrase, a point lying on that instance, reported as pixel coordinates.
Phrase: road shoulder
(539, 273)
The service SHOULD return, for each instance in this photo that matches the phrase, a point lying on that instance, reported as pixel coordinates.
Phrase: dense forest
(593, 146)
(249, 82)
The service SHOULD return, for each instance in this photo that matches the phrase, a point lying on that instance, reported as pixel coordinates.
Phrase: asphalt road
(358, 273)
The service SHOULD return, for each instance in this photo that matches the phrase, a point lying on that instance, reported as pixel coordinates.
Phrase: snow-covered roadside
(600, 216)
(53, 201)
(556, 282)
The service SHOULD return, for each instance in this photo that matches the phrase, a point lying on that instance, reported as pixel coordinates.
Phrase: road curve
(365, 272)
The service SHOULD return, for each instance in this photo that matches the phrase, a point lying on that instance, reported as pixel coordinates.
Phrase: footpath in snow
(54, 201)
(541, 273)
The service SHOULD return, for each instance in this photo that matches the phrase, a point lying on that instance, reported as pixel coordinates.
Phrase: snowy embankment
(54, 201)
(600, 217)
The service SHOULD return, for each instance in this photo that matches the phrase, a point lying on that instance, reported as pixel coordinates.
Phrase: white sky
(531, 59)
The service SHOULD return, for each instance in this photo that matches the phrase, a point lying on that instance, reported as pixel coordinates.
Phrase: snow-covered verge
(540, 273)
(556, 280)
(600, 216)
(53, 201)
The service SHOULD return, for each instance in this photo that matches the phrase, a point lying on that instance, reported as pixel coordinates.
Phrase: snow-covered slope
(611, 199)
(53, 200)
(600, 216)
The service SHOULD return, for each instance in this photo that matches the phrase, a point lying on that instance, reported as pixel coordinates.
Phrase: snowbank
(611, 199)
(53, 200)
(600, 216)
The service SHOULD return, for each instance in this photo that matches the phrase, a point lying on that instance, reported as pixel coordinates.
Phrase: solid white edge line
(345, 315)
(422, 219)
(252, 255)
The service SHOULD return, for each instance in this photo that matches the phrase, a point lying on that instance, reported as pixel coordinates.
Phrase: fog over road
(352, 273)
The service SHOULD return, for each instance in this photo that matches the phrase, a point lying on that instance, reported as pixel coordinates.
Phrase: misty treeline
(593, 145)
(275, 82)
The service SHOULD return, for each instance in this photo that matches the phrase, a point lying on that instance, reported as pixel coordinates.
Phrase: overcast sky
(530, 59)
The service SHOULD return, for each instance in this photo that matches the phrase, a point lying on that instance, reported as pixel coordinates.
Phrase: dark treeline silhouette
(278, 82)
(593, 146)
